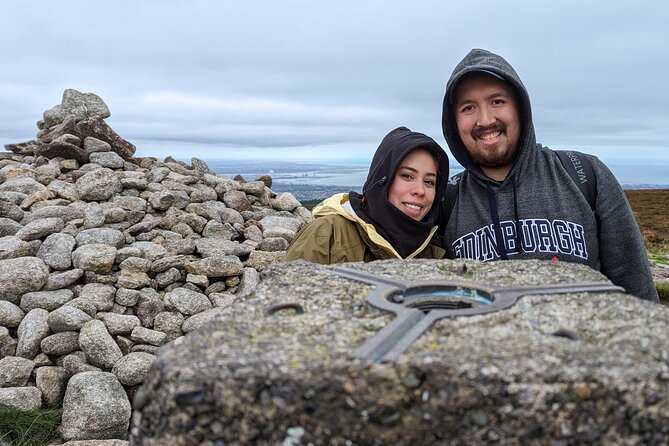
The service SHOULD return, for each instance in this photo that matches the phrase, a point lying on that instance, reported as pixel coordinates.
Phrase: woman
(395, 215)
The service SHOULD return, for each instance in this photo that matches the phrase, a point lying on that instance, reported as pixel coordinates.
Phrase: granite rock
(10, 315)
(95, 406)
(219, 266)
(133, 368)
(10, 210)
(11, 247)
(67, 318)
(285, 202)
(21, 275)
(105, 236)
(78, 105)
(533, 373)
(58, 280)
(107, 159)
(15, 371)
(147, 336)
(8, 227)
(52, 382)
(99, 294)
(24, 184)
(47, 300)
(21, 398)
(188, 302)
(98, 185)
(32, 329)
(56, 251)
(40, 228)
(95, 257)
(120, 324)
(98, 345)
(93, 145)
(61, 343)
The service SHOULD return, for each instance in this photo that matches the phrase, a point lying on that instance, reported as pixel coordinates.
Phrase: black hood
(403, 232)
(484, 61)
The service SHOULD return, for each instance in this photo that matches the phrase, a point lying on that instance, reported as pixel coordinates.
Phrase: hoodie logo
(537, 235)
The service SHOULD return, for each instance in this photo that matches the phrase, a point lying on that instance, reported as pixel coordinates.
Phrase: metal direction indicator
(419, 304)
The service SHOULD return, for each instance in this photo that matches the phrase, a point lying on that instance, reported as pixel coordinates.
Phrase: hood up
(479, 60)
(403, 232)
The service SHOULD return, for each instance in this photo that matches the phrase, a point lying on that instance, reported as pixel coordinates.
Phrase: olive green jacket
(338, 235)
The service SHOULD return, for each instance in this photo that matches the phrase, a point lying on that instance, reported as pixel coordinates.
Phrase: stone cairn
(105, 257)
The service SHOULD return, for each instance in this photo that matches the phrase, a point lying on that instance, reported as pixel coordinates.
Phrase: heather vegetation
(650, 208)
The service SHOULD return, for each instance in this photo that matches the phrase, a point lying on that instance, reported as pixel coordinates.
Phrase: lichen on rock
(550, 368)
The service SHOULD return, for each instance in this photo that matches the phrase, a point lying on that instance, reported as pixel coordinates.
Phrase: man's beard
(500, 157)
(490, 160)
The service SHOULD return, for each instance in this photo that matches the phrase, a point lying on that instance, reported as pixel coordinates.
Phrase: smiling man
(488, 123)
(516, 199)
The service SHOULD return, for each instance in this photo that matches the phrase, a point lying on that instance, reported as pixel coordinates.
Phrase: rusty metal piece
(189, 397)
(418, 305)
(280, 306)
(566, 333)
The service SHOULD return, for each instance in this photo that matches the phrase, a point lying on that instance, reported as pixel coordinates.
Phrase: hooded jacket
(338, 235)
(362, 227)
(537, 211)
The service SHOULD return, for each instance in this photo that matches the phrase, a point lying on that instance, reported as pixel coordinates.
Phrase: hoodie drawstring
(492, 204)
(497, 227)
(519, 246)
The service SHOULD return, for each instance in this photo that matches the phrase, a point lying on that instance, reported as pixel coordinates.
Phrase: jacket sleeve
(621, 249)
(313, 243)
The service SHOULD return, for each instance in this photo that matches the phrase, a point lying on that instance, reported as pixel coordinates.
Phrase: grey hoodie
(538, 196)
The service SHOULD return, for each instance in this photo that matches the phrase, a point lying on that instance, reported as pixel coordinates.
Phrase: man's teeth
(490, 136)
(412, 206)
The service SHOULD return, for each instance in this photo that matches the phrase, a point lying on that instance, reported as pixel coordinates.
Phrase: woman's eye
(430, 183)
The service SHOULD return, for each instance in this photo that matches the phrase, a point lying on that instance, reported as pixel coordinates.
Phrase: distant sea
(314, 180)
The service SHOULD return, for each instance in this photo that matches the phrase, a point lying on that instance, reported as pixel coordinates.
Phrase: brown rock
(96, 127)
(265, 179)
(237, 200)
(23, 148)
(147, 311)
(68, 126)
(62, 149)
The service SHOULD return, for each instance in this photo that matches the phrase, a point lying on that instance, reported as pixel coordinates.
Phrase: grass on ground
(309, 204)
(32, 428)
(663, 292)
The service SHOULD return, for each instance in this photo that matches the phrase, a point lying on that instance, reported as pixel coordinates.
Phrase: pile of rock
(105, 257)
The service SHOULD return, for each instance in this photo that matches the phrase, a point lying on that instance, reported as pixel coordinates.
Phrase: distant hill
(311, 192)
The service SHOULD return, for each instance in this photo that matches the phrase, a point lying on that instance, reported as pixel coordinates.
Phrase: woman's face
(413, 188)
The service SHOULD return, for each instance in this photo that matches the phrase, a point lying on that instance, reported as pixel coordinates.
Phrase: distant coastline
(317, 180)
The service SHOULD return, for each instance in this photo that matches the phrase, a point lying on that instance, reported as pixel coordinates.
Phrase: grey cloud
(266, 74)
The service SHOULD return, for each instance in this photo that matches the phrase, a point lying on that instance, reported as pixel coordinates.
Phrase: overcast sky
(328, 79)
